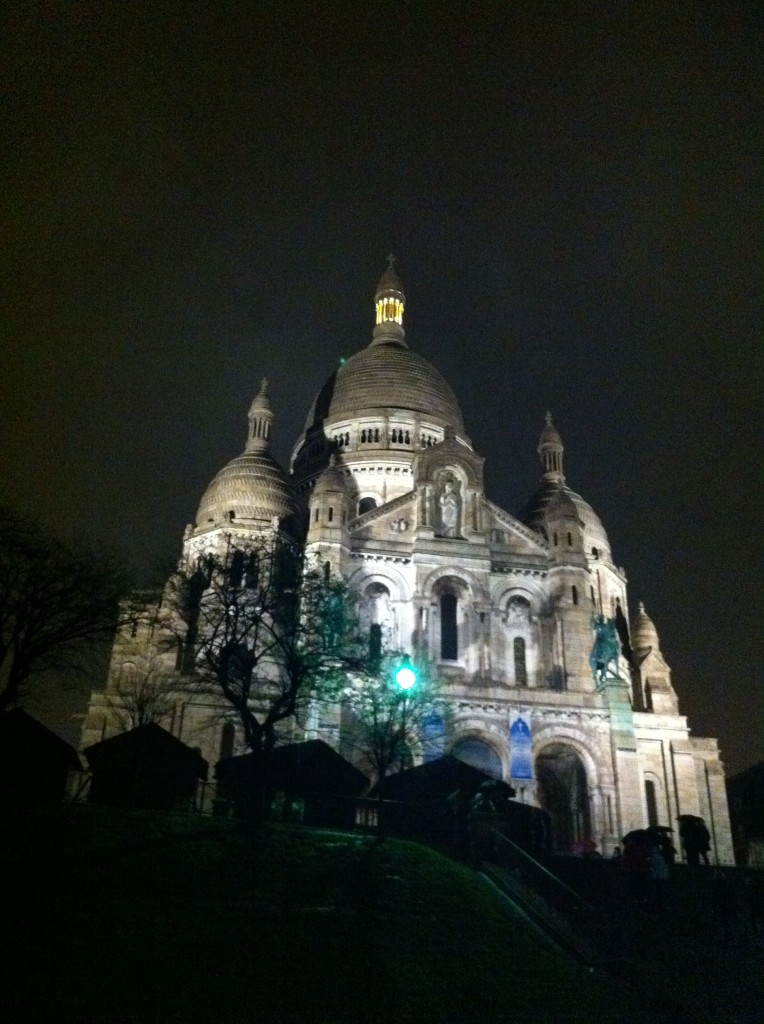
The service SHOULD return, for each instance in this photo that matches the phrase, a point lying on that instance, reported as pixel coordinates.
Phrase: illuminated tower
(389, 303)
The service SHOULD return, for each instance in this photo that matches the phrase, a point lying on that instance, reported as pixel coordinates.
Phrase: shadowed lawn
(148, 917)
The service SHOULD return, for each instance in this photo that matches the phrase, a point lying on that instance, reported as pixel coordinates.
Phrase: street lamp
(405, 676)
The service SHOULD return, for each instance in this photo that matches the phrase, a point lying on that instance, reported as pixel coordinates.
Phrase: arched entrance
(479, 754)
(563, 792)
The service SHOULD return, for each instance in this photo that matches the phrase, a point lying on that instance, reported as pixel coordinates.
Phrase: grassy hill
(117, 917)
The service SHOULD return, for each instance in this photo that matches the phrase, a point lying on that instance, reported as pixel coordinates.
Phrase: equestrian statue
(605, 651)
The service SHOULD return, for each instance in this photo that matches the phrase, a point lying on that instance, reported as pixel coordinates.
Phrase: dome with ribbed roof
(561, 504)
(332, 479)
(552, 489)
(533, 514)
(643, 632)
(384, 381)
(549, 434)
(385, 378)
(253, 486)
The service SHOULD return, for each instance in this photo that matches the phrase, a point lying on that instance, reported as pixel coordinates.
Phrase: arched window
(521, 669)
(237, 568)
(574, 593)
(648, 696)
(652, 803)
(252, 571)
(330, 515)
(449, 642)
(555, 540)
(518, 611)
(479, 754)
(570, 540)
(366, 505)
(375, 646)
(595, 553)
(227, 736)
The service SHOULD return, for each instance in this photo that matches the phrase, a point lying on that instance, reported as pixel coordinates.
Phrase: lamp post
(405, 675)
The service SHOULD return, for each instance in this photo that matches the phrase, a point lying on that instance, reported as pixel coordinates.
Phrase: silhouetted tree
(387, 723)
(264, 629)
(57, 602)
(144, 695)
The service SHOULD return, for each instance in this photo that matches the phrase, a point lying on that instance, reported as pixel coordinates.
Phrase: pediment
(394, 520)
(504, 533)
(450, 454)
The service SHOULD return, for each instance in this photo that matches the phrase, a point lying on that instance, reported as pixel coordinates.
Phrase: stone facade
(386, 487)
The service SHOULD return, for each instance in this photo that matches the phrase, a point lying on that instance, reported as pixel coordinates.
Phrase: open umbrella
(638, 835)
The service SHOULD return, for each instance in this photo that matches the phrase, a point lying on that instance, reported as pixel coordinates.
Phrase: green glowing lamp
(405, 676)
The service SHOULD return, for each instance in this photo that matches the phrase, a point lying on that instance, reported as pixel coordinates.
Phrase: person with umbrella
(635, 861)
(659, 836)
(696, 839)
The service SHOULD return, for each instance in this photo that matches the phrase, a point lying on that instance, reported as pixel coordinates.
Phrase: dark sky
(197, 195)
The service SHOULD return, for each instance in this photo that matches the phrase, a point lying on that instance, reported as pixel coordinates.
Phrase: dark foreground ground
(128, 917)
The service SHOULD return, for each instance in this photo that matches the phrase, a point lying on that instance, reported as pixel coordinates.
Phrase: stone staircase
(672, 946)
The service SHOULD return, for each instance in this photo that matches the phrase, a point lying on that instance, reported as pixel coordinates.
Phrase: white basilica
(386, 486)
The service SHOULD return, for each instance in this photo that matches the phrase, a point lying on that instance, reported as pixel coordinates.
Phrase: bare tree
(143, 695)
(57, 603)
(265, 630)
(388, 722)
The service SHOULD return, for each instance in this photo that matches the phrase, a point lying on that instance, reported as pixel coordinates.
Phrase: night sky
(198, 195)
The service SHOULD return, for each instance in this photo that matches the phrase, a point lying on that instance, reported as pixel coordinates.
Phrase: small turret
(551, 450)
(655, 675)
(564, 528)
(389, 303)
(644, 635)
(260, 420)
(328, 506)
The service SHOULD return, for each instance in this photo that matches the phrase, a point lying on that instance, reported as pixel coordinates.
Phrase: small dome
(643, 631)
(561, 505)
(251, 486)
(332, 480)
(261, 402)
(533, 514)
(549, 433)
(553, 487)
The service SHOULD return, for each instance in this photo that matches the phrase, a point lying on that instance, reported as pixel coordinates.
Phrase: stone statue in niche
(448, 508)
(518, 612)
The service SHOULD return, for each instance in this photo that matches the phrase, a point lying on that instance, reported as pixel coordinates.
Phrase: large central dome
(384, 398)
(385, 377)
